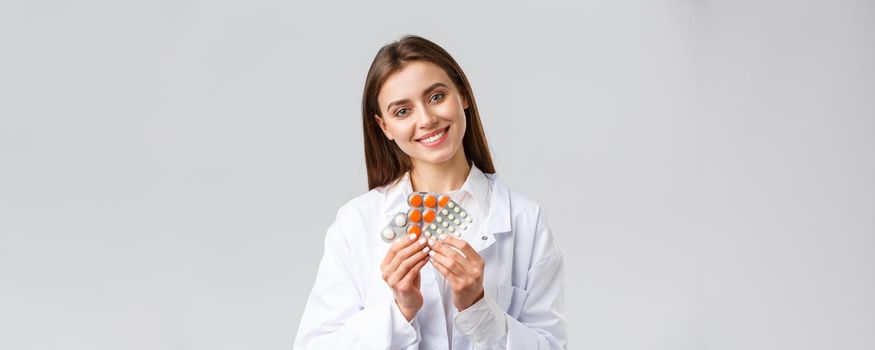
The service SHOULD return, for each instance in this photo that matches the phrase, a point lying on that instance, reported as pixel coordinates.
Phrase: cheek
(401, 131)
(451, 111)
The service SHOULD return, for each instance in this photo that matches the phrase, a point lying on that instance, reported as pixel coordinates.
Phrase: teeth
(433, 138)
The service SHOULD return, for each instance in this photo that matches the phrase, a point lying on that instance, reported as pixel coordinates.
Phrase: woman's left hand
(464, 271)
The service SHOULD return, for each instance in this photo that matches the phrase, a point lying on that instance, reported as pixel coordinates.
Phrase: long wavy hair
(385, 161)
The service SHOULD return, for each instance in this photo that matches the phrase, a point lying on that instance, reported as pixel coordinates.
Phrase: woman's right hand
(401, 272)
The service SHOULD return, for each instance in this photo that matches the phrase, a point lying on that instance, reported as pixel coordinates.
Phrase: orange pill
(430, 201)
(415, 229)
(414, 215)
(428, 216)
(444, 200)
(414, 200)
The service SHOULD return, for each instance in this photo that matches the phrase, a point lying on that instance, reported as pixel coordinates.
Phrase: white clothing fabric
(351, 307)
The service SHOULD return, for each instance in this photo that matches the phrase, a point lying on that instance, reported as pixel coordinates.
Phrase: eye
(401, 112)
(437, 97)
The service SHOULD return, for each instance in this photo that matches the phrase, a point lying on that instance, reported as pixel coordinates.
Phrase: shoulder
(356, 212)
(523, 209)
(530, 226)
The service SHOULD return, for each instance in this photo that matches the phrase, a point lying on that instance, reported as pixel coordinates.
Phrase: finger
(461, 245)
(406, 253)
(414, 272)
(452, 265)
(397, 247)
(405, 266)
(449, 251)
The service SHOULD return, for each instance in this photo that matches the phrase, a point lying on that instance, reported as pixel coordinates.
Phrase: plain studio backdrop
(168, 169)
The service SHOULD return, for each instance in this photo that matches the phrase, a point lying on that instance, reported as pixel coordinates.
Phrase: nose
(427, 119)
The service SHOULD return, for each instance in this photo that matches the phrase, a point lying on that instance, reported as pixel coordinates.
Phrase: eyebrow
(424, 92)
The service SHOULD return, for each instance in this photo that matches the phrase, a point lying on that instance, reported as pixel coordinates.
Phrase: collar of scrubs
(477, 185)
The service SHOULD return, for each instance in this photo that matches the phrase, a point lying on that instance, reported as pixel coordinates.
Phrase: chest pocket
(511, 299)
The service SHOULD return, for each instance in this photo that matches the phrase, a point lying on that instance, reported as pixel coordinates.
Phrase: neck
(442, 178)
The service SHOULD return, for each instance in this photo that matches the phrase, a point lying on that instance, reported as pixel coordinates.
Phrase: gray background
(168, 168)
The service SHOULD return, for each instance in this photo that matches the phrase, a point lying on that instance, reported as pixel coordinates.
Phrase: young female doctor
(499, 286)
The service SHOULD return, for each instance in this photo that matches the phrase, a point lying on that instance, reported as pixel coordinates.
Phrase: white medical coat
(351, 307)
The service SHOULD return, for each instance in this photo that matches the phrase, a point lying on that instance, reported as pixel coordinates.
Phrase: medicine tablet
(428, 233)
(388, 234)
(414, 229)
(451, 205)
(451, 217)
(446, 224)
(428, 216)
(414, 215)
(400, 220)
(442, 202)
(452, 229)
(439, 231)
(433, 226)
(456, 209)
(457, 222)
(439, 219)
(463, 214)
(430, 201)
(414, 200)
(445, 212)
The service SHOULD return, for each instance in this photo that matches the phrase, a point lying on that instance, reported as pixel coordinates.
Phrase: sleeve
(335, 316)
(540, 323)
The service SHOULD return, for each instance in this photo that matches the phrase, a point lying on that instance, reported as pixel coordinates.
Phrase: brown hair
(385, 161)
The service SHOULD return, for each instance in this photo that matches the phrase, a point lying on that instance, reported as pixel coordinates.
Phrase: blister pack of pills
(432, 214)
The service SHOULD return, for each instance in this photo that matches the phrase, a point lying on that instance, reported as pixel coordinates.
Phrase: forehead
(411, 80)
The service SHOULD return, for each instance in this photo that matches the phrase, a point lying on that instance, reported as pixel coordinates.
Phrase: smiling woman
(498, 282)
(416, 76)
(419, 124)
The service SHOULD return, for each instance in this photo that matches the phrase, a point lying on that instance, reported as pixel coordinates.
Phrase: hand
(463, 268)
(401, 272)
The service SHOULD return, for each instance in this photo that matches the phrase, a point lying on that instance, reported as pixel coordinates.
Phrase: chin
(437, 158)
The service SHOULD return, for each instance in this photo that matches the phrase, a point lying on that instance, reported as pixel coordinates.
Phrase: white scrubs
(351, 307)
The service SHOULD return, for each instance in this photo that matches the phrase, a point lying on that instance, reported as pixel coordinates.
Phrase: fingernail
(411, 237)
(431, 253)
(431, 242)
(426, 250)
(422, 241)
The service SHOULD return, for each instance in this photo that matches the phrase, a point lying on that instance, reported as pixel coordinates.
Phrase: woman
(498, 286)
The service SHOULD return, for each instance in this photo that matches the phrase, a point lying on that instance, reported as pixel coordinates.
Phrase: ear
(464, 103)
(382, 125)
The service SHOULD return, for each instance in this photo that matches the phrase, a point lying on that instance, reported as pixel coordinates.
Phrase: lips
(438, 131)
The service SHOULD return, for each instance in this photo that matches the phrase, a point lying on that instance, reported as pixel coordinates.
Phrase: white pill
(433, 226)
(457, 222)
(445, 212)
(400, 220)
(459, 234)
(445, 224)
(451, 204)
(463, 214)
(439, 231)
(439, 219)
(451, 217)
(428, 233)
(388, 234)
(452, 229)
(456, 209)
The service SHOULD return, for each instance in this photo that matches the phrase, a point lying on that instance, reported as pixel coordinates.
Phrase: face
(423, 112)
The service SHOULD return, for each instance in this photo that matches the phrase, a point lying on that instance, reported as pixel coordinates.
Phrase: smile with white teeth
(434, 137)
